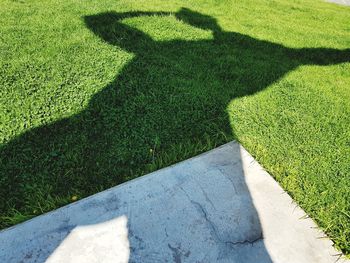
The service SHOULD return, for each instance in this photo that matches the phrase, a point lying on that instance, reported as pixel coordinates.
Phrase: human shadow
(170, 93)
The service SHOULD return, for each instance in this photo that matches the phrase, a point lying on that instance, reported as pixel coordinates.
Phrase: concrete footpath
(218, 207)
(340, 2)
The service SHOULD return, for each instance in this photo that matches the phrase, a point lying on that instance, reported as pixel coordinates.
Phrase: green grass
(95, 93)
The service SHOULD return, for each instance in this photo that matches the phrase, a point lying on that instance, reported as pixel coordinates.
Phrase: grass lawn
(95, 93)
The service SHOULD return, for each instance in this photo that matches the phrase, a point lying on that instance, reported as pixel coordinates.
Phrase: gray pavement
(340, 2)
(218, 207)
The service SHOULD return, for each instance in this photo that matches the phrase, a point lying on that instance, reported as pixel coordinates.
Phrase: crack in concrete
(214, 228)
(204, 193)
(229, 177)
(205, 215)
(244, 242)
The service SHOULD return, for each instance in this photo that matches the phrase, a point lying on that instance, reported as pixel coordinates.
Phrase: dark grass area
(140, 90)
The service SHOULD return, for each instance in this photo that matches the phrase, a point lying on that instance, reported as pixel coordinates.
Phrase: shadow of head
(198, 20)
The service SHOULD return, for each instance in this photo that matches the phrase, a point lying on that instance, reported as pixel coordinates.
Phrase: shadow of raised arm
(321, 56)
(109, 27)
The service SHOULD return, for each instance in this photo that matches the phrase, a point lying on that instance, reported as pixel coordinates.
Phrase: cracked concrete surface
(218, 207)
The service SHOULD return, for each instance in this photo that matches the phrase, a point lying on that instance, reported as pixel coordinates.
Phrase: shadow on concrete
(199, 210)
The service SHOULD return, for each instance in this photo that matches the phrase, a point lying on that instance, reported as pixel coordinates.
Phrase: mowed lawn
(95, 93)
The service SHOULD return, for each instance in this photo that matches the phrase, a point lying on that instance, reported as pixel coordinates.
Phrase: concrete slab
(218, 207)
(340, 2)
